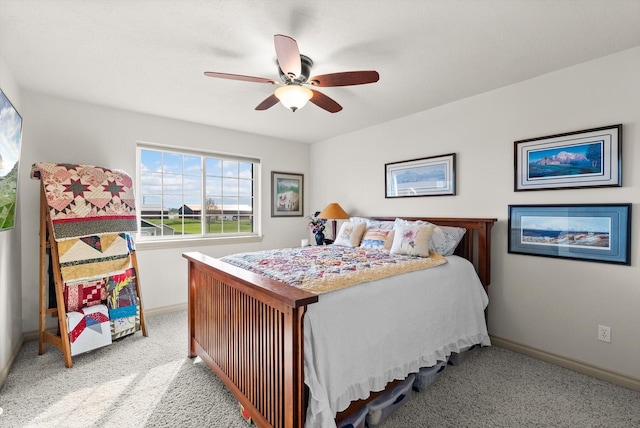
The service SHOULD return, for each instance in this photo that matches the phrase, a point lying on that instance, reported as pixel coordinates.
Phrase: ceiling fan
(294, 70)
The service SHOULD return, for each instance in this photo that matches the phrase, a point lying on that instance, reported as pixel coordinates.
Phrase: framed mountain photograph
(589, 158)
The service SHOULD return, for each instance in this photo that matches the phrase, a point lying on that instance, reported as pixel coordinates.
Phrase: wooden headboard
(475, 245)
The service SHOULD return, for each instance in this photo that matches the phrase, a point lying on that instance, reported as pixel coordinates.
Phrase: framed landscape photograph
(287, 194)
(432, 176)
(590, 158)
(10, 141)
(592, 232)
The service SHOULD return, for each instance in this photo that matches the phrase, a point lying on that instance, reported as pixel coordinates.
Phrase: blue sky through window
(175, 179)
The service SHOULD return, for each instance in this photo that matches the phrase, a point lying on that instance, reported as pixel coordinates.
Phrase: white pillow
(444, 240)
(373, 224)
(412, 240)
(350, 234)
(380, 224)
(358, 219)
(403, 222)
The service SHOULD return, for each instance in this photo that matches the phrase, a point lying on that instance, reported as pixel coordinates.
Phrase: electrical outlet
(604, 333)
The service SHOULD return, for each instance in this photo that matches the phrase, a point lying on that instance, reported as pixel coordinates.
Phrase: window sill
(195, 242)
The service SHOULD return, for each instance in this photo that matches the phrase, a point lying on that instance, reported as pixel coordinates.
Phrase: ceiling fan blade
(288, 55)
(346, 78)
(324, 102)
(269, 102)
(239, 77)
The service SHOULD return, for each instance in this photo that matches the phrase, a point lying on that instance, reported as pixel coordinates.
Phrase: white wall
(10, 274)
(551, 305)
(68, 131)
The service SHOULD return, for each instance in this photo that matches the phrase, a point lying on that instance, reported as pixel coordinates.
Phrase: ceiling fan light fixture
(293, 96)
(294, 70)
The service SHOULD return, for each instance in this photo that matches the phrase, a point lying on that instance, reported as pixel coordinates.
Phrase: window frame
(201, 238)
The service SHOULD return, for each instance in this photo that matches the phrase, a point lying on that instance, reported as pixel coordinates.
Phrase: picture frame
(580, 159)
(590, 232)
(10, 145)
(430, 176)
(287, 194)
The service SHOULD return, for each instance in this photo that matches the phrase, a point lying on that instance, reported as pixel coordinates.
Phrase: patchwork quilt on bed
(321, 269)
(87, 200)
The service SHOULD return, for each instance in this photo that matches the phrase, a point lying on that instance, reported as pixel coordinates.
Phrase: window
(189, 194)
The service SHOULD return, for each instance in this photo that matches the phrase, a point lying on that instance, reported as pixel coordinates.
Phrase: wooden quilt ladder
(60, 339)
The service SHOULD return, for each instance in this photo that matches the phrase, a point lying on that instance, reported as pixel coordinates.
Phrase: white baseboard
(5, 370)
(568, 363)
(166, 309)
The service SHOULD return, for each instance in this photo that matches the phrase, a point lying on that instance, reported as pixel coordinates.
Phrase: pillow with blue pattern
(375, 238)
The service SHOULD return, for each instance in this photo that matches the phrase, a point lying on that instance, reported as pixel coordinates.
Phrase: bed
(264, 338)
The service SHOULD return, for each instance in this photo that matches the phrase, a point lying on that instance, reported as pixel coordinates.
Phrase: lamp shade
(333, 211)
(293, 96)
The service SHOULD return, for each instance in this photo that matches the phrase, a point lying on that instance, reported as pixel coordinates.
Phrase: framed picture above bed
(591, 232)
(287, 194)
(590, 158)
(431, 176)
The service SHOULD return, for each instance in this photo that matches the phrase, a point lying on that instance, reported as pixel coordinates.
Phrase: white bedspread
(360, 338)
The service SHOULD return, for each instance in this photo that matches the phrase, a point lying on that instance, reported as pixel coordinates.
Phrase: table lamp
(333, 212)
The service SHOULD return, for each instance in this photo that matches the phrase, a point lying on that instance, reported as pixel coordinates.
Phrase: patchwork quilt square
(93, 256)
(77, 296)
(88, 329)
(121, 289)
(124, 321)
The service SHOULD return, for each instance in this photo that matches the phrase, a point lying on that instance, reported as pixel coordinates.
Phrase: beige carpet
(149, 382)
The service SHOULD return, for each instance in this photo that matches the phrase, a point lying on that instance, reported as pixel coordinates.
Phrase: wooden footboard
(249, 329)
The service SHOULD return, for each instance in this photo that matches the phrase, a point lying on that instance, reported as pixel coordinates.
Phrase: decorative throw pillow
(389, 242)
(375, 238)
(350, 234)
(444, 239)
(412, 240)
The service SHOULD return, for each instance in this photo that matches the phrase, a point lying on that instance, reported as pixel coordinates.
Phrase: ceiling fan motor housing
(305, 71)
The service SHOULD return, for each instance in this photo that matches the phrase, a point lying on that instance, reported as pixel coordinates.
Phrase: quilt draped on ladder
(86, 200)
(92, 210)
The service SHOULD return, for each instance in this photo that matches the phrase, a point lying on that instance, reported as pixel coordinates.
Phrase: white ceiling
(149, 56)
